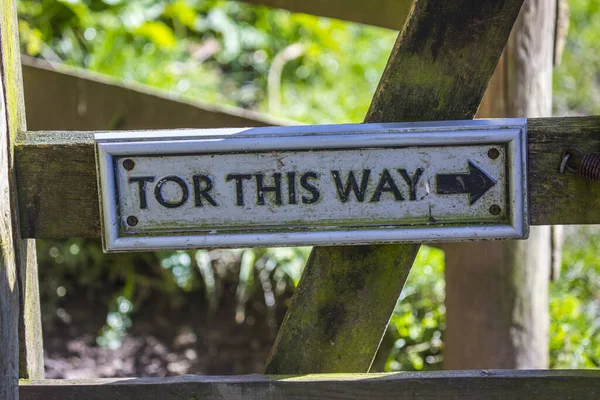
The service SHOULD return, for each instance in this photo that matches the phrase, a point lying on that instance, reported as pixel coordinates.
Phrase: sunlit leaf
(159, 33)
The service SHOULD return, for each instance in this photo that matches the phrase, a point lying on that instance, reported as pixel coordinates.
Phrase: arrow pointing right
(475, 183)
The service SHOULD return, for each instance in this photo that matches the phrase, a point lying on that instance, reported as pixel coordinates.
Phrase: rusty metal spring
(586, 165)
(590, 167)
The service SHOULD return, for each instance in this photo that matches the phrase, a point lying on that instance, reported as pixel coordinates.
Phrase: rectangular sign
(313, 185)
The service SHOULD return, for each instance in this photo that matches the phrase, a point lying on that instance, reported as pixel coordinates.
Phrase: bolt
(495, 209)
(493, 153)
(128, 164)
(132, 221)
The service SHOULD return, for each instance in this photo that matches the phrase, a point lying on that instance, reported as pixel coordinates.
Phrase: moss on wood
(58, 195)
(20, 354)
(450, 385)
(439, 69)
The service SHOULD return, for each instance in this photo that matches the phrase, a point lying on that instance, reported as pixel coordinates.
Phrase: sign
(313, 185)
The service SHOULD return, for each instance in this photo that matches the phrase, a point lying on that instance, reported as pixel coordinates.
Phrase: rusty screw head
(128, 164)
(132, 221)
(493, 153)
(495, 209)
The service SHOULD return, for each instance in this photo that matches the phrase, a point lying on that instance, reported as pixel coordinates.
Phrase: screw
(128, 164)
(495, 209)
(132, 221)
(493, 153)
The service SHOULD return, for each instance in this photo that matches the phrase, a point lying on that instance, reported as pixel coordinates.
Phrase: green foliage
(577, 78)
(420, 316)
(575, 303)
(77, 267)
(217, 51)
(575, 298)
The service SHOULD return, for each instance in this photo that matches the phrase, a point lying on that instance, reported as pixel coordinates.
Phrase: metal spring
(590, 167)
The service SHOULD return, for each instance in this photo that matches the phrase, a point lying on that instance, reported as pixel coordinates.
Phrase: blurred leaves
(157, 42)
(575, 303)
(157, 32)
(577, 78)
(78, 267)
(419, 319)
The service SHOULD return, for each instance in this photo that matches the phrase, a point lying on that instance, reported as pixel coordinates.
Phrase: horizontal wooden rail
(464, 385)
(384, 13)
(58, 97)
(58, 194)
(94, 101)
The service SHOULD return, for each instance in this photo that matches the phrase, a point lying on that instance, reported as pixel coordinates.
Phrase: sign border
(510, 132)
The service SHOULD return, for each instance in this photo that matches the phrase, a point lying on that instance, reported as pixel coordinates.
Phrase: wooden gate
(438, 70)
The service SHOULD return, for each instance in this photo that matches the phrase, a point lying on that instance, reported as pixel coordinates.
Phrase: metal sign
(313, 185)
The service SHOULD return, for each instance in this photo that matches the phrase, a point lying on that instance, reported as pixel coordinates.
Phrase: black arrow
(475, 183)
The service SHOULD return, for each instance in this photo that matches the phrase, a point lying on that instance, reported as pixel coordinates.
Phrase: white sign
(313, 185)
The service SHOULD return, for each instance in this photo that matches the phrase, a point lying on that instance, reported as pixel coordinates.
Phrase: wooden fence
(438, 70)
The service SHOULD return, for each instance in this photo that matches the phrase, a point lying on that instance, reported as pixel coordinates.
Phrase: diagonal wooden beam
(439, 69)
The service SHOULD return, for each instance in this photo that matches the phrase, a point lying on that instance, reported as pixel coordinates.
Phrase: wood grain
(439, 69)
(384, 13)
(58, 97)
(561, 199)
(20, 323)
(94, 102)
(449, 385)
(58, 196)
(9, 246)
(508, 319)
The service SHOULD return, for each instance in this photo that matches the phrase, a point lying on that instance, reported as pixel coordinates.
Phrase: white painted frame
(511, 132)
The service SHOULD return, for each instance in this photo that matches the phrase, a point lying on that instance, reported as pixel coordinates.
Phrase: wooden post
(438, 69)
(497, 292)
(20, 323)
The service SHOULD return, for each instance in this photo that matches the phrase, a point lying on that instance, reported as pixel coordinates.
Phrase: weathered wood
(20, 323)
(562, 27)
(439, 69)
(58, 97)
(507, 322)
(58, 196)
(336, 320)
(561, 199)
(450, 385)
(9, 248)
(384, 13)
(97, 102)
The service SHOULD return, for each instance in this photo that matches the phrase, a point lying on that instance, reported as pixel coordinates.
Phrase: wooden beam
(9, 246)
(58, 97)
(91, 101)
(439, 69)
(448, 385)
(58, 194)
(384, 13)
(561, 199)
(508, 307)
(20, 322)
